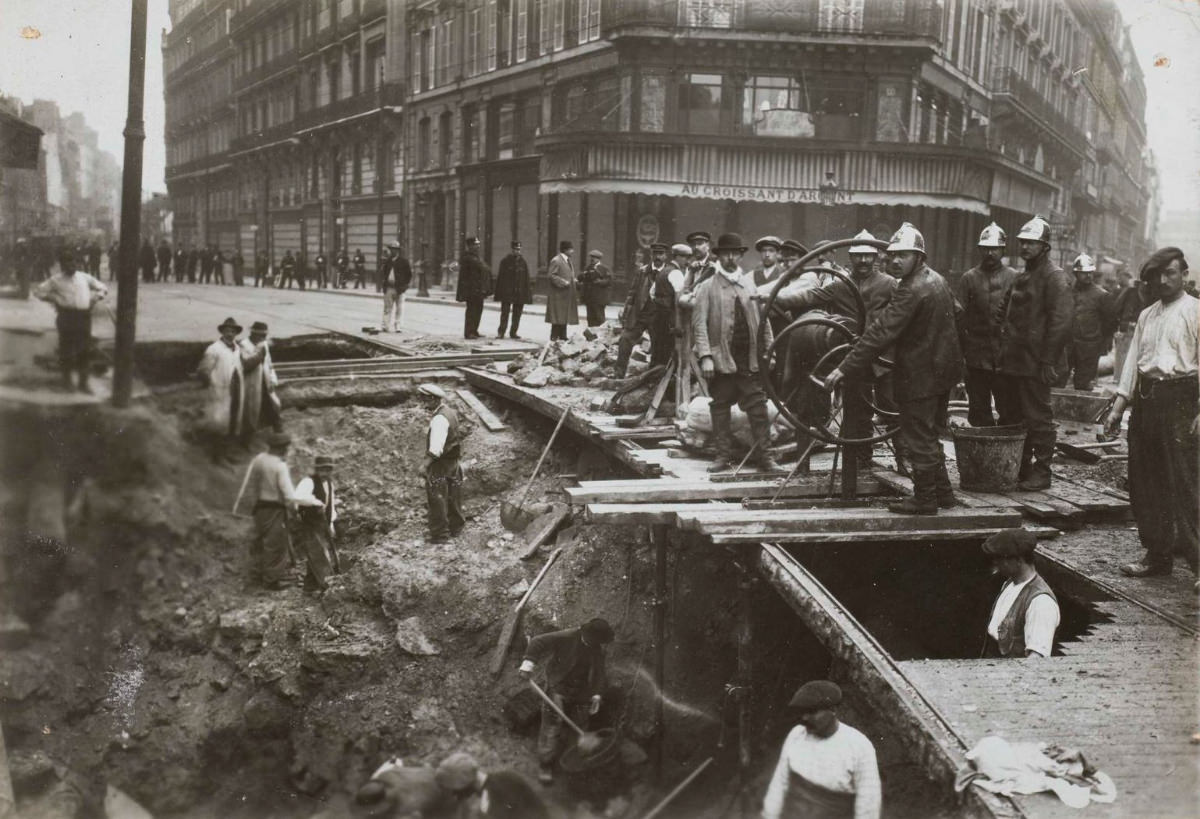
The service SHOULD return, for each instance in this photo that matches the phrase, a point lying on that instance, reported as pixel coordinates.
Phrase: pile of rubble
(587, 358)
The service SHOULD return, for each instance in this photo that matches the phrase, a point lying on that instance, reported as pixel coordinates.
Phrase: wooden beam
(488, 417)
(972, 536)
(647, 514)
(843, 520)
(678, 490)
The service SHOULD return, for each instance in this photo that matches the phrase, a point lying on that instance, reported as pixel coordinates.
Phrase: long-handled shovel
(588, 741)
(514, 516)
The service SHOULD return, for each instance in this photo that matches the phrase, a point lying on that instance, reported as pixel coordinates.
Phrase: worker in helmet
(1035, 327)
(920, 323)
(981, 291)
(1093, 322)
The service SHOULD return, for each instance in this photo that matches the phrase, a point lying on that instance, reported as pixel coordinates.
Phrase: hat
(278, 439)
(472, 240)
(1011, 543)
(657, 246)
(681, 249)
(323, 460)
(258, 327)
(699, 236)
(229, 322)
(768, 241)
(730, 241)
(865, 236)
(794, 246)
(394, 244)
(907, 238)
(595, 254)
(816, 695)
(993, 236)
(1084, 264)
(515, 243)
(599, 628)
(565, 245)
(457, 772)
(433, 390)
(1036, 229)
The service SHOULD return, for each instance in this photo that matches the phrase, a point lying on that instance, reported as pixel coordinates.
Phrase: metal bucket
(989, 458)
(598, 775)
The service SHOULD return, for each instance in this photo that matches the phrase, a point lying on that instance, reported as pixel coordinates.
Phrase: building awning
(769, 195)
(20, 142)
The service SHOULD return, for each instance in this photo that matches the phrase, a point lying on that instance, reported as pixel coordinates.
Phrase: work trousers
(1163, 469)
(1037, 416)
(74, 340)
(550, 732)
(218, 272)
(360, 278)
(985, 387)
(741, 387)
(558, 332)
(474, 313)
(595, 313)
(631, 336)
(662, 340)
(391, 305)
(271, 557)
(1084, 360)
(147, 274)
(921, 421)
(443, 490)
(515, 308)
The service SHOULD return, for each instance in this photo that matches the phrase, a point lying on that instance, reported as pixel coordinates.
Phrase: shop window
(701, 101)
(653, 103)
(528, 125)
(505, 135)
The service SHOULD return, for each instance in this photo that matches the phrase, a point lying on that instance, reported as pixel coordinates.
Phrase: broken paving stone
(538, 378)
(245, 624)
(558, 378)
(517, 590)
(411, 638)
(570, 349)
(591, 370)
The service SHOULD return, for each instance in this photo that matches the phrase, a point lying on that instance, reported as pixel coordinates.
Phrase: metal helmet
(1084, 264)
(1036, 229)
(907, 238)
(863, 234)
(993, 236)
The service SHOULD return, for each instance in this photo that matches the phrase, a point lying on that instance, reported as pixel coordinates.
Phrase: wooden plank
(510, 624)
(1096, 486)
(543, 528)
(646, 513)
(1085, 499)
(679, 489)
(634, 421)
(488, 417)
(639, 433)
(841, 520)
(750, 538)
(1044, 507)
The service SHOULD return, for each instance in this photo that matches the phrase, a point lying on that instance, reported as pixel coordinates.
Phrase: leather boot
(1037, 476)
(944, 490)
(924, 497)
(901, 458)
(723, 439)
(760, 427)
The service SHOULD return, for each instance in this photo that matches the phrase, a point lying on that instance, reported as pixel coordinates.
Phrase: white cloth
(261, 380)
(1009, 768)
(269, 479)
(220, 364)
(734, 275)
(1164, 343)
(439, 428)
(79, 291)
(844, 762)
(1041, 618)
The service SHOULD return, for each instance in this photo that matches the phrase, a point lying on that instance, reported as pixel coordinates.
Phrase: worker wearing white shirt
(1025, 614)
(442, 470)
(826, 768)
(318, 535)
(1159, 381)
(73, 294)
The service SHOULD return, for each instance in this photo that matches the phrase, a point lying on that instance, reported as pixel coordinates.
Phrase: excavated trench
(153, 667)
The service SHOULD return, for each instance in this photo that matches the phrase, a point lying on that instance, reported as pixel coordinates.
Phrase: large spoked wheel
(822, 419)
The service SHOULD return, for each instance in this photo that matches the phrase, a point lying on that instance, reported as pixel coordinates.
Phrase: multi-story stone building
(614, 123)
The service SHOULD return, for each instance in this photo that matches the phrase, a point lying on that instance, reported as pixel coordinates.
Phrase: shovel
(514, 516)
(588, 741)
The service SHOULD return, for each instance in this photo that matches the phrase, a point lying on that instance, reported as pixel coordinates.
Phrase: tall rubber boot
(760, 427)
(1038, 475)
(723, 438)
(924, 497)
(943, 488)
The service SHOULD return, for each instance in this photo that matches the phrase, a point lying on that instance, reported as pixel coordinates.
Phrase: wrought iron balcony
(1015, 92)
(390, 94)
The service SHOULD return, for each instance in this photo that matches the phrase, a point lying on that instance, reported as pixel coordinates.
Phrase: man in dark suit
(573, 660)
(919, 322)
(147, 261)
(395, 274)
(164, 260)
(596, 279)
(513, 290)
(474, 283)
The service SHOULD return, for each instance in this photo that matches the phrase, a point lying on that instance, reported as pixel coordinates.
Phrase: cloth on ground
(1010, 768)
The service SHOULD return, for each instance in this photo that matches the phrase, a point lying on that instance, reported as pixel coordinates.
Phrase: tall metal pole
(661, 535)
(131, 210)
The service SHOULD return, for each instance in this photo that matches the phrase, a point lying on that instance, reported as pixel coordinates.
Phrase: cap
(323, 460)
(768, 241)
(993, 236)
(433, 390)
(472, 240)
(699, 236)
(515, 243)
(1011, 543)
(816, 695)
(278, 439)
(457, 772)
(681, 249)
(599, 628)
(1036, 229)
(907, 238)
(657, 246)
(1084, 263)
(730, 241)
(229, 322)
(795, 247)
(864, 235)
(258, 327)
(595, 254)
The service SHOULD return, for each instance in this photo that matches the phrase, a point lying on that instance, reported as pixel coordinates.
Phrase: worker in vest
(668, 281)
(1025, 615)
(637, 316)
(318, 537)
(441, 468)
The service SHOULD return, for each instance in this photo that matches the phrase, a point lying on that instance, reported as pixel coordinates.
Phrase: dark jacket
(637, 300)
(981, 294)
(1094, 316)
(146, 257)
(1036, 323)
(512, 280)
(395, 272)
(920, 322)
(164, 255)
(560, 650)
(1129, 305)
(596, 281)
(474, 278)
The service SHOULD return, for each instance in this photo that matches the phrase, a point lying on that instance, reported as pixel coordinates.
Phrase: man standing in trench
(1025, 614)
(269, 483)
(441, 468)
(575, 680)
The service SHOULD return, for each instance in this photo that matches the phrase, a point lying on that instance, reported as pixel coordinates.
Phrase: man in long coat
(513, 290)
(260, 407)
(562, 302)
(221, 372)
(474, 283)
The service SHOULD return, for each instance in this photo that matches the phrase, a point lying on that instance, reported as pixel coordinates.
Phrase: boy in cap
(441, 468)
(826, 768)
(1025, 614)
(596, 279)
(318, 536)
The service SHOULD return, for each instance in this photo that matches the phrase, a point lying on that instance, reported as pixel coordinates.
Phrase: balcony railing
(254, 12)
(198, 164)
(1012, 87)
(248, 78)
(263, 137)
(391, 94)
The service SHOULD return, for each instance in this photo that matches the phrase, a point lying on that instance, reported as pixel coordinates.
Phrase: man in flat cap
(826, 768)
(260, 407)
(701, 269)
(596, 279)
(667, 328)
(574, 678)
(442, 469)
(1025, 615)
(318, 536)
(220, 371)
(637, 316)
(269, 484)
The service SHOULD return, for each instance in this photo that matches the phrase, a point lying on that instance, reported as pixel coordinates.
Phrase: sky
(81, 61)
